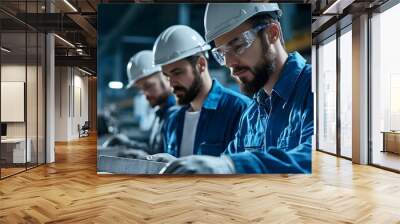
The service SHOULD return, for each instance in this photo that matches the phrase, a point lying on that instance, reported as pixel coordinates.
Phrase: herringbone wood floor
(69, 191)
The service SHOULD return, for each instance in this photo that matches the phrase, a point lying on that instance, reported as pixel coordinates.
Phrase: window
(327, 96)
(385, 89)
(22, 74)
(346, 93)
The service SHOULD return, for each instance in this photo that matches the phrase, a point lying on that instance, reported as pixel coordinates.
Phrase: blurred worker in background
(209, 118)
(275, 132)
(143, 75)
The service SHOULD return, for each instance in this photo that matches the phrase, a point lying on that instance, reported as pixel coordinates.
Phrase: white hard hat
(140, 66)
(178, 42)
(220, 18)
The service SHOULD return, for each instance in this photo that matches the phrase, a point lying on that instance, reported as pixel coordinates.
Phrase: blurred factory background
(125, 29)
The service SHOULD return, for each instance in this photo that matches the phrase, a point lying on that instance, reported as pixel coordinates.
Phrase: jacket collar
(284, 87)
(168, 104)
(213, 97)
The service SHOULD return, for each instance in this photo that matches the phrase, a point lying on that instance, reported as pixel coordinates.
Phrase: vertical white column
(360, 90)
(50, 93)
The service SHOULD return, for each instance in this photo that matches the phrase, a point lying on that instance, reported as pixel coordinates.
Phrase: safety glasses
(238, 45)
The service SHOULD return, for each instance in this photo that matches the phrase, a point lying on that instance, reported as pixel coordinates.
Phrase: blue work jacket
(156, 142)
(218, 122)
(275, 132)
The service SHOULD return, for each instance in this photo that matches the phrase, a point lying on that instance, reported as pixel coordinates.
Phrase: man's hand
(133, 154)
(161, 157)
(116, 140)
(200, 165)
(122, 140)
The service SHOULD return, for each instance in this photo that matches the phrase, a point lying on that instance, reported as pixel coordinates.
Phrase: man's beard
(161, 100)
(191, 92)
(262, 72)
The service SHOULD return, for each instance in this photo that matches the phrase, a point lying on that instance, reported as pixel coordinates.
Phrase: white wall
(33, 126)
(71, 93)
(61, 103)
(14, 73)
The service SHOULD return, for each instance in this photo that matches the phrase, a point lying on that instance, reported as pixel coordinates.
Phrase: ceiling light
(70, 5)
(64, 40)
(5, 50)
(327, 11)
(115, 85)
(84, 71)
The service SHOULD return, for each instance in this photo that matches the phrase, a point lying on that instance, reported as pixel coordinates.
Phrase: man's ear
(202, 64)
(273, 33)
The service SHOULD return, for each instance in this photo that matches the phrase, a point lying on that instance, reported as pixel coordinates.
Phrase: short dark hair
(265, 18)
(193, 59)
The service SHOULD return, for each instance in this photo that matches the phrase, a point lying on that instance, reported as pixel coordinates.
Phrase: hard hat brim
(191, 52)
(226, 26)
(133, 82)
(130, 85)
